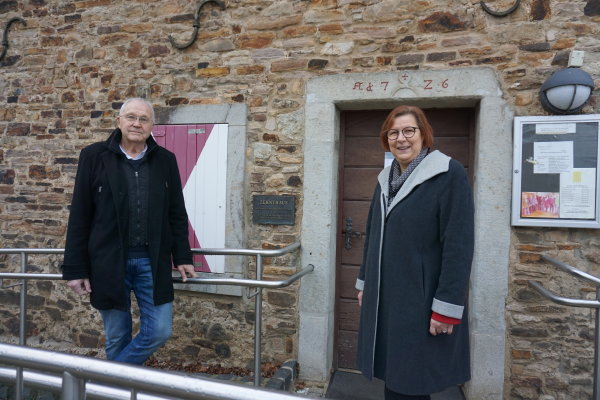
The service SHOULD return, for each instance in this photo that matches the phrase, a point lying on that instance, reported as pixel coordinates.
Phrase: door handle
(349, 233)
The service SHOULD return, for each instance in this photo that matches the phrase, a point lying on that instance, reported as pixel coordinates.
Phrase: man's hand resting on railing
(80, 286)
(186, 271)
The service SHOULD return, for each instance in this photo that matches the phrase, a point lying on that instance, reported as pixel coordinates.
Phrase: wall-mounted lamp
(566, 91)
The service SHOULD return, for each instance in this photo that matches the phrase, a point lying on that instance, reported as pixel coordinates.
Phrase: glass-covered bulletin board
(555, 171)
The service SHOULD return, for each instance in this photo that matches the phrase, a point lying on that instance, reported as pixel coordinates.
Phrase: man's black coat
(97, 234)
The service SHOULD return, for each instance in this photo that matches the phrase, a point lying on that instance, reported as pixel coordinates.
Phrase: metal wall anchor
(500, 13)
(5, 36)
(196, 25)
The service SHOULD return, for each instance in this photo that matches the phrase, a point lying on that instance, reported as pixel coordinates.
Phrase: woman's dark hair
(423, 124)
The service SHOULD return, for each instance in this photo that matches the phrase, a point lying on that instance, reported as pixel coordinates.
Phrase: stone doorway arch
(476, 87)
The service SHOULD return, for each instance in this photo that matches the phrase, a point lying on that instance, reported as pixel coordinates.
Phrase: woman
(414, 279)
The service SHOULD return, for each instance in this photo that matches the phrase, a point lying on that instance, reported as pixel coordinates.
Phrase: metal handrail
(578, 303)
(565, 301)
(32, 251)
(33, 276)
(203, 281)
(75, 370)
(249, 252)
(248, 282)
(53, 383)
(204, 251)
(257, 283)
(207, 251)
(572, 270)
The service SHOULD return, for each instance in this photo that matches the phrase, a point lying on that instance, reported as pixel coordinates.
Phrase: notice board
(555, 171)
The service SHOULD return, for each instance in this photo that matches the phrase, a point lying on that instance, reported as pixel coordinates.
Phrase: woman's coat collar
(434, 164)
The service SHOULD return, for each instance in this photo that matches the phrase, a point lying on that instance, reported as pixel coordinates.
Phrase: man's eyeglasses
(132, 118)
(407, 132)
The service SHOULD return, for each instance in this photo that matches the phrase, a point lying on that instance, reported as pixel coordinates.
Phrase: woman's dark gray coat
(97, 233)
(417, 259)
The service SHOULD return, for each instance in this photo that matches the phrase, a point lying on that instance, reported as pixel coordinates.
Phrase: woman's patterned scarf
(398, 178)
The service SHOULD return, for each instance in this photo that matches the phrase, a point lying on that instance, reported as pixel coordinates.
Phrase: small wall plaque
(273, 210)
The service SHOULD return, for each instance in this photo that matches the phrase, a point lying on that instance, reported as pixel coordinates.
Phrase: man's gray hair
(138, 99)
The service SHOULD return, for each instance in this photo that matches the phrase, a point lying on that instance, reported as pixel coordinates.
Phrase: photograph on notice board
(539, 204)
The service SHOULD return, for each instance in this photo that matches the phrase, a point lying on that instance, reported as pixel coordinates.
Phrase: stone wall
(67, 72)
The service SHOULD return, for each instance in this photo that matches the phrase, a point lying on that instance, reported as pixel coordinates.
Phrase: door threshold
(352, 371)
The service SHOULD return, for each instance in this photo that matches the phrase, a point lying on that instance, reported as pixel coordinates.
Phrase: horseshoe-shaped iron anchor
(500, 13)
(5, 37)
(196, 25)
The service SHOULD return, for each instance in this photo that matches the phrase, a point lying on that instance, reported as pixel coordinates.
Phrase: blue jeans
(155, 321)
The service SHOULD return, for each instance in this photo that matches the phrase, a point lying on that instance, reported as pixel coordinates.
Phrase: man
(127, 224)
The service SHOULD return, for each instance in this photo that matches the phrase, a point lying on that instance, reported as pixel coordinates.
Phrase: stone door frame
(469, 87)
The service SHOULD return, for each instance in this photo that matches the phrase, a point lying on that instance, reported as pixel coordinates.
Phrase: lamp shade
(566, 91)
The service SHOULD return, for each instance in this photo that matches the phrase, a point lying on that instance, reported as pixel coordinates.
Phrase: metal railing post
(23, 302)
(73, 388)
(22, 324)
(258, 323)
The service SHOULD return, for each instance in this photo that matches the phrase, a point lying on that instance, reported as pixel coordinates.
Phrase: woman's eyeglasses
(407, 132)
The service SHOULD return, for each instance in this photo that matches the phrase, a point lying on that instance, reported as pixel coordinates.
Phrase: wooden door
(362, 160)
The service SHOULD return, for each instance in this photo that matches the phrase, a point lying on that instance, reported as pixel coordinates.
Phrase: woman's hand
(359, 297)
(437, 328)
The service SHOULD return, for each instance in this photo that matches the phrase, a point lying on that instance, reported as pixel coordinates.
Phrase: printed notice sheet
(555, 129)
(577, 193)
(552, 157)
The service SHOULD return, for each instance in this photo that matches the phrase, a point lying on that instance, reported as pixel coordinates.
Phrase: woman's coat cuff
(360, 284)
(447, 309)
